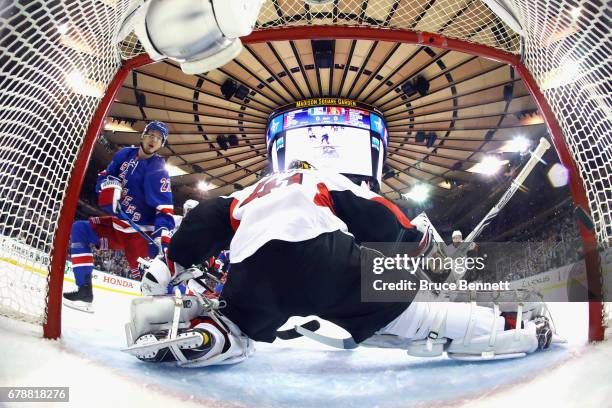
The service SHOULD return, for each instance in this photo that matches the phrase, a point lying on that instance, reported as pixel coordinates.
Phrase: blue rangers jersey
(146, 195)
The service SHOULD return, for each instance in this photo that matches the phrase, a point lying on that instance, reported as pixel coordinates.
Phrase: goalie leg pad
(228, 345)
(425, 328)
(466, 331)
(151, 314)
(156, 347)
(422, 320)
(214, 340)
(507, 344)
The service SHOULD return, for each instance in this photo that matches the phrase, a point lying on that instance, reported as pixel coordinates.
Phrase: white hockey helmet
(457, 233)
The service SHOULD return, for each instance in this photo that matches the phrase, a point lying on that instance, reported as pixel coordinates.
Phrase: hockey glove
(432, 251)
(162, 241)
(109, 196)
(135, 274)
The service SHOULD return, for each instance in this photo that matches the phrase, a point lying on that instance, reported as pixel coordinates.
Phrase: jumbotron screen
(348, 139)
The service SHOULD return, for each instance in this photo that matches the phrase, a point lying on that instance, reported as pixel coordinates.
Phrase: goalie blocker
(310, 264)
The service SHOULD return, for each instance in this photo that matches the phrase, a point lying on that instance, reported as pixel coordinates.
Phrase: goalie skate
(156, 346)
(536, 335)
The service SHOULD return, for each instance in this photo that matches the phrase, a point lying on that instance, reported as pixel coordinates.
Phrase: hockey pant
(105, 234)
(320, 276)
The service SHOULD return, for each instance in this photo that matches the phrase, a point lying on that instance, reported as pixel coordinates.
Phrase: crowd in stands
(111, 261)
(552, 242)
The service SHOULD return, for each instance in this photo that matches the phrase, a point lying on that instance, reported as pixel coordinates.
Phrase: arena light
(558, 175)
(204, 186)
(445, 184)
(565, 74)
(488, 166)
(72, 37)
(174, 170)
(418, 193)
(63, 28)
(519, 144)
(532, 119)
(84, 86)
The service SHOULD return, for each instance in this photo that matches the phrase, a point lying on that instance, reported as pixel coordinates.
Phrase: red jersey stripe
(395, 210)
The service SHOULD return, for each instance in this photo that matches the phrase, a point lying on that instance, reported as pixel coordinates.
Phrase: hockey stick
(290, 334)
(536, 156)
(124, 217)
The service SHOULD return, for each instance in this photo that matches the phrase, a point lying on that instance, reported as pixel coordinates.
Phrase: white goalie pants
(419, 319)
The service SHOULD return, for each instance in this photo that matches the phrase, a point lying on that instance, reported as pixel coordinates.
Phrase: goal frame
(52, 327)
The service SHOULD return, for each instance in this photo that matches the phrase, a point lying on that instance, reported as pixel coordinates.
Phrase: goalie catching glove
(429, 247)
(157, 276)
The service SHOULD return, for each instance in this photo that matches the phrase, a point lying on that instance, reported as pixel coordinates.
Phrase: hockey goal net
(61, 68)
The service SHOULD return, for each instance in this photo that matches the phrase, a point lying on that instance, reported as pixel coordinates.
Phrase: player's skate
(81, 299)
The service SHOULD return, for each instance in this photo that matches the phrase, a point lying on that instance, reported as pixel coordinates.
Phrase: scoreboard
(330, 133)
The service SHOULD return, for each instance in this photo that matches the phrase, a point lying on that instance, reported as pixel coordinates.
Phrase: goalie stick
(344, 344)
(289, 334)
(517, 182)
(536, 156)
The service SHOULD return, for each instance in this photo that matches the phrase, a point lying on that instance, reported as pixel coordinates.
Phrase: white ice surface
(299, 373)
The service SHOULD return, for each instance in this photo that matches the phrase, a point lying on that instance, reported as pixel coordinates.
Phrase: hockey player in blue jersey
(135, 184)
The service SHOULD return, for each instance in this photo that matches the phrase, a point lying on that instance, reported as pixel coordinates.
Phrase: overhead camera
(200, 35)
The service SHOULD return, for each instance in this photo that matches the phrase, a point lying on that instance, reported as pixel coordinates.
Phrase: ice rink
(299, 373)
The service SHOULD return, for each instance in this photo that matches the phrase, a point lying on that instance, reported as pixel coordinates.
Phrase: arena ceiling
(475, 106)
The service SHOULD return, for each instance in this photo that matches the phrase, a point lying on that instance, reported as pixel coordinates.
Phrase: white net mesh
(567, 50)
(469, 20)
(57, 58)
